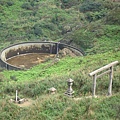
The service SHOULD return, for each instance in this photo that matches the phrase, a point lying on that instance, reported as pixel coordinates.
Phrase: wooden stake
(16, 96)
(94, 84)
(110, 84)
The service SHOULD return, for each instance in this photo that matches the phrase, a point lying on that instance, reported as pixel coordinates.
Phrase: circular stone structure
(28, 54)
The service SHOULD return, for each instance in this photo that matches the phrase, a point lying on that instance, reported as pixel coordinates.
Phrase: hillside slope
(93, 26)
(85, 24)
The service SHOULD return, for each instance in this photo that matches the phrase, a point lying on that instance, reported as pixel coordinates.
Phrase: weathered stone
(52, 90)
(69, 91)
(65, 52)
(21, 101)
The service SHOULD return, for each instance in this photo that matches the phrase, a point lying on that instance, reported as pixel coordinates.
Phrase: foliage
(63, 108)
(27, 6)
(6, 3)
(113, 16)
(37, 30)
(23, 80)
(111, 108)
(84, 38)
(95, 10)
(91, 6)
(68, 3)
(93, 16)
(90, 25)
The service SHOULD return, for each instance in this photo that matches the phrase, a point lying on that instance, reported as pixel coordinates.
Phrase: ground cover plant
(92, 26)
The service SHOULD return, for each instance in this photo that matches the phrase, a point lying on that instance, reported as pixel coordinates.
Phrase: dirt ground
(26, 103)
(29, 60)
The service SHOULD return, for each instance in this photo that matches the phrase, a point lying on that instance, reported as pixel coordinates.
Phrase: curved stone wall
(33, 47)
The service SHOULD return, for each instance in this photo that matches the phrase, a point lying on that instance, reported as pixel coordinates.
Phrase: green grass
(68, 64)
(109, 41)
(99, 40)
(11, 13)
(62, 108)
(43, 76)
(17, 23)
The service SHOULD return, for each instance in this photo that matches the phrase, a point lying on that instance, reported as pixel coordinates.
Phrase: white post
(110, 84)
(16, 96)
(94, 84)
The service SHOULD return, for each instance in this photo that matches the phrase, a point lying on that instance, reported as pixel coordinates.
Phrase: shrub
(93, 16)
(49, 26)
(113, 17)
(37, 29)
(108, 4)
(91, 6)
(27, 6)
(83, 38)
(68, 3)
(57, 19)
(10, 3)
(2, 2)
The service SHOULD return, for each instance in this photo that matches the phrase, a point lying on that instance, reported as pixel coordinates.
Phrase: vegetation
(91, 25)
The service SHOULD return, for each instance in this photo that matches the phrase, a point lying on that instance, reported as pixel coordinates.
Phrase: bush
(49, 26)
(56, 19)
(37, 29)
(27, 6)
(91, 6)
(113, 17)
(93, 16)
(2, 2)
(69, 3)
(10, 3)
(83, 38)
(7, 3)
(108, 4)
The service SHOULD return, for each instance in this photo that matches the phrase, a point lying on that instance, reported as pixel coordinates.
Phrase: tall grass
(44, 20)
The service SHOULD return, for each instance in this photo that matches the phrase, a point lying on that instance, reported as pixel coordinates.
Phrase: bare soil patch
(29, 60)
(26, 103)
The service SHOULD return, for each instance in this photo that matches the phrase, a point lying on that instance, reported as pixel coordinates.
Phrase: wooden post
(110, 84)
(94, 84)
(16, 96)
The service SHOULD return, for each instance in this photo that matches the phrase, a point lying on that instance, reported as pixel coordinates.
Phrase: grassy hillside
(85, 24)
(93, 26)
(34, 84)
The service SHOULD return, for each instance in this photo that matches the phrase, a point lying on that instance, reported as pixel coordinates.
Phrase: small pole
(16, 96)
(110, 84)
(94, 84)
(57, 49)
(51, 48)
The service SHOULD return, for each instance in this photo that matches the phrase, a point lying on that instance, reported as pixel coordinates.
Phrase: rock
(21, 101)
(66, 29)
(65, 52)
(52, 90)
